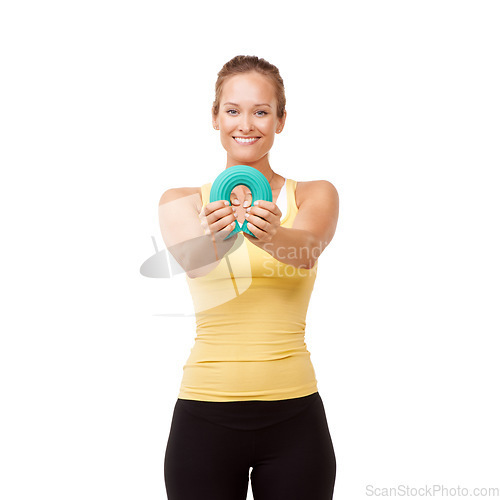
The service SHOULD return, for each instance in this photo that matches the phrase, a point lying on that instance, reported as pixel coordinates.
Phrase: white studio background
(106, 104)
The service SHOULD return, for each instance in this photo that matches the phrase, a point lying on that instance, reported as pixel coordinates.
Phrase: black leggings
(287, 444)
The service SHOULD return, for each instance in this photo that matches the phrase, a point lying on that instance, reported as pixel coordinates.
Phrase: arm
(312, 231)
(195, 250)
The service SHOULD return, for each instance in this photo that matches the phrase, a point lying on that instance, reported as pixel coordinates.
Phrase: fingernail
(226, 202)
(246, 203)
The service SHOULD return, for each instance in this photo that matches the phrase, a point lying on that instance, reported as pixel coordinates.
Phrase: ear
(281, 122)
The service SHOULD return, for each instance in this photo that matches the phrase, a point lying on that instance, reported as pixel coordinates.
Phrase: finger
(257, 231)
(268, 205)
(235, 201)
(216, 210)
(222, 223)
(248, 200)
(213, 206)
(258, 222)
(228, 228)
(218, 218)
(264, 212)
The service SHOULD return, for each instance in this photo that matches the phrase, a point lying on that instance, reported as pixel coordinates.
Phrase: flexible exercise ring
(234, 176)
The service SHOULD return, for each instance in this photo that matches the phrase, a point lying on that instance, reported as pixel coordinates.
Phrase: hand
(263, 221)
(217, 218)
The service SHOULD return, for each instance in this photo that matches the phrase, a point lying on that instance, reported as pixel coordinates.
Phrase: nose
(246, 123)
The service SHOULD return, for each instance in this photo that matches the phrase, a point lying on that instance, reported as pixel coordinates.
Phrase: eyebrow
(234, 104)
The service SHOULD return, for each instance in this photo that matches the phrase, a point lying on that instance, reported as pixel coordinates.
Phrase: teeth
(241, 139)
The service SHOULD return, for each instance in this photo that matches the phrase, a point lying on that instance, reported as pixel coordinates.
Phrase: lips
(246, 141)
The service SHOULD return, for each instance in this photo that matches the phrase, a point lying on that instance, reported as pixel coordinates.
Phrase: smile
(246, 140)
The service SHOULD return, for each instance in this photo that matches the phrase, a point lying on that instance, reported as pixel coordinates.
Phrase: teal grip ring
(247, 176)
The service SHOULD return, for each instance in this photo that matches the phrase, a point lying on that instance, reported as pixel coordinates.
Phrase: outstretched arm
(312, 231)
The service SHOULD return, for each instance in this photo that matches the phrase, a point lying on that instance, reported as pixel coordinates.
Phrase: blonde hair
(245, 64)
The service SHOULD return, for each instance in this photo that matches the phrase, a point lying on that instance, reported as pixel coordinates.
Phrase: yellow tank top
(250, 324)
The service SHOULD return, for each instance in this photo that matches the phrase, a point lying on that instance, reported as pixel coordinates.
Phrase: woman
(249, 396)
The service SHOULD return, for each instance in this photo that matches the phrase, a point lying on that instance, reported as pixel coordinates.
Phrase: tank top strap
(205, 193)
(292, 209)
(282, 200)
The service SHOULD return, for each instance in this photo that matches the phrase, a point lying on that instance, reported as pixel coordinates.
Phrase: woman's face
(248, 109)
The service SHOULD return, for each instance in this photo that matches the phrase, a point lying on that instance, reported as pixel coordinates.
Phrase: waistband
(247, 415)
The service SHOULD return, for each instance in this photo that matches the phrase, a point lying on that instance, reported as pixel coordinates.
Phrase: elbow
(315, 250)
(309, 263)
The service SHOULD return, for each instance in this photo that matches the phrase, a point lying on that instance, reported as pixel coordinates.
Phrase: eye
(265, 113)
(229, 111)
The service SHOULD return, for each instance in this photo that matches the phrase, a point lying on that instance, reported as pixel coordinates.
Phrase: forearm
(296, 247)
(200, 255)
(185, 234)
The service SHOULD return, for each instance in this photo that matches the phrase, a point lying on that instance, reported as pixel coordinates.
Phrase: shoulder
(315, 189)
(180, 192)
